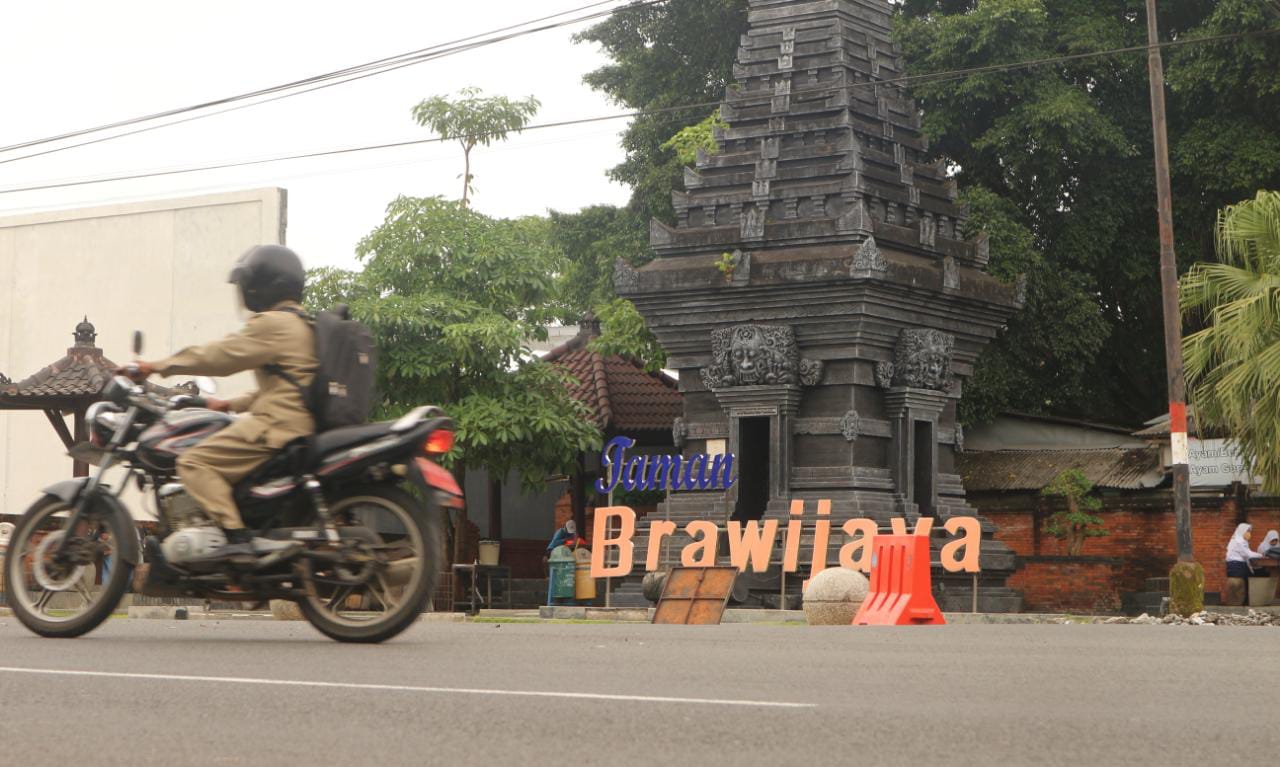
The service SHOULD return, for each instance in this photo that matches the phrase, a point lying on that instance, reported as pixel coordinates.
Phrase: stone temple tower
(817, 294)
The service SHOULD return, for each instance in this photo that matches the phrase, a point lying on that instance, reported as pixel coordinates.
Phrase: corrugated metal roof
(1113, 468)
(1159, 426)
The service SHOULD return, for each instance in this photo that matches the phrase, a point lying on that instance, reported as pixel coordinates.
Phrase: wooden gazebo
(67, 386)
(623, 399)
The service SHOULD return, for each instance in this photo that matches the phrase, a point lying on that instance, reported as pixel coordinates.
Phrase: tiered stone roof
(820, 181)
(819, 148)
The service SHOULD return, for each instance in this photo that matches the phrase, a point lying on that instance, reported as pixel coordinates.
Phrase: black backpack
(343, 389)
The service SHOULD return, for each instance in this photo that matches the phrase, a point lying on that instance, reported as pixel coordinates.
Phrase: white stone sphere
(833, 597)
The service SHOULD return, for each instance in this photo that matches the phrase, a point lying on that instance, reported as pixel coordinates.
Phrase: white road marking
(408, 688)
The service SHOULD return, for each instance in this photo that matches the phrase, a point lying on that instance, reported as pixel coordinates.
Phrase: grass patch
(488, 619)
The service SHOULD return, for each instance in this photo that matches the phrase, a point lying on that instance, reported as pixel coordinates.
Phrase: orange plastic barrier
(901, 592)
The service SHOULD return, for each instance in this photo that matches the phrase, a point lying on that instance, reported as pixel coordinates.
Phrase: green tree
(1066, 149)
(1034, 366)
(1233, 363)
(1078, 521)
(591, 242)
(453, 297)
(664, 56)
(472, 119)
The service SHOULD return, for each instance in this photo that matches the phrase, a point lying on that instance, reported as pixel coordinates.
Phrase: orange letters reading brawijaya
(751, 544)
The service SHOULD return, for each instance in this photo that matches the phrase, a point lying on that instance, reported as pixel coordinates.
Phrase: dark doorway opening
(922, 479)
(753, 469)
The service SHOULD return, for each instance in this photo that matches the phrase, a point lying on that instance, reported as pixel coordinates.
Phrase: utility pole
(1186, 581)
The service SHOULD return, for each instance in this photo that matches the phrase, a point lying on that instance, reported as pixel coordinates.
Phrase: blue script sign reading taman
(659, 472)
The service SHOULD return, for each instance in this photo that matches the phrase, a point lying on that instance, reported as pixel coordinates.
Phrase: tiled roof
(82, 373)
(619, 393)
(1115, 468)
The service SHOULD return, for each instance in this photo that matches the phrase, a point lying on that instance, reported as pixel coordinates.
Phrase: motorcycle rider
(274, 340)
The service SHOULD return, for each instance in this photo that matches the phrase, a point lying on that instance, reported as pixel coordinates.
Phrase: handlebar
(185, 401)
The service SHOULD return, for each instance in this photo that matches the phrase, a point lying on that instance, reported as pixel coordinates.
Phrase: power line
(327, 80)
(933, 77)
(303, 174)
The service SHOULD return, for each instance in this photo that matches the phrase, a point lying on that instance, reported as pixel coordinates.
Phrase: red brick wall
(523, 556)
(1068, 584)
(1140, 529)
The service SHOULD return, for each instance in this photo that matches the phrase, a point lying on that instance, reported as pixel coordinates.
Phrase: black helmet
(267, 275)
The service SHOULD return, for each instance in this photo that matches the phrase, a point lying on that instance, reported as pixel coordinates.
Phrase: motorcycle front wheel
(388, 580)
(69, 595)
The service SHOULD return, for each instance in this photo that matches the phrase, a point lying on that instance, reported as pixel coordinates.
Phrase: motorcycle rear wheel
(392, 600)
(62, 601)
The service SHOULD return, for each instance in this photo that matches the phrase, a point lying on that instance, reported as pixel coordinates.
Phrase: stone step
(628, 594)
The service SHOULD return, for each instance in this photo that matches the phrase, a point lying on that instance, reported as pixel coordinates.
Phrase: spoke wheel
(388, 574)
(67, 594)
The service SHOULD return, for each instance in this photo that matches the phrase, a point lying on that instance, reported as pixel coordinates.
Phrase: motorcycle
(361, 509)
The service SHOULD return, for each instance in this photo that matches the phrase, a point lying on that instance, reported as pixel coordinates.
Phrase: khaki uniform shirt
(278, 413)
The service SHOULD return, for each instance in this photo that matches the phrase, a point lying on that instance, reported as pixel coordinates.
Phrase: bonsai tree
(1078, 521)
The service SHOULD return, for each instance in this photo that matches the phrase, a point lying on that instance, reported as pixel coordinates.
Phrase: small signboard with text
(1217, 463)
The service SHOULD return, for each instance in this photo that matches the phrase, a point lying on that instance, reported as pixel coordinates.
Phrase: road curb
(561, 613)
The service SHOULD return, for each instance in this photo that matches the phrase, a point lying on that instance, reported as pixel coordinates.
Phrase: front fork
(90, 489)
(81, 508)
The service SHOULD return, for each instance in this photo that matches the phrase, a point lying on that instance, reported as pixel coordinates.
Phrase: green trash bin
(560, 583)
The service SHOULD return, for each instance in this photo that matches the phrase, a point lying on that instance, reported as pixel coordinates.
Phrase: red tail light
(438, 442)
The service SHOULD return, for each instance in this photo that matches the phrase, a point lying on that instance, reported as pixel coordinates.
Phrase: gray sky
(71, 65)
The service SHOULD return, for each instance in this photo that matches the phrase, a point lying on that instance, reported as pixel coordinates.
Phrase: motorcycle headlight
(103, 419)
(117, 390)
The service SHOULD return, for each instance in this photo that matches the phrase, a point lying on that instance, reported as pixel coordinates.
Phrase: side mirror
(137, 343)
(206, 385)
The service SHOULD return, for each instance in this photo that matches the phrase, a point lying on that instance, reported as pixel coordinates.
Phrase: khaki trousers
(211, 469)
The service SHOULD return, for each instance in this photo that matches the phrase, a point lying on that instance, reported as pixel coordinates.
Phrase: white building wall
(158, 266)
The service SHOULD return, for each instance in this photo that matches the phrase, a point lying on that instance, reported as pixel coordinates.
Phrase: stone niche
(830, 358)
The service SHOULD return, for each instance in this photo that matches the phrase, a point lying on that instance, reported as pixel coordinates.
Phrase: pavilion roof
(619, 392)
(76, 377)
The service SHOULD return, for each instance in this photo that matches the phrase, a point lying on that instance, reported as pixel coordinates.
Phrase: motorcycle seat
(338, 439)
(304, 454)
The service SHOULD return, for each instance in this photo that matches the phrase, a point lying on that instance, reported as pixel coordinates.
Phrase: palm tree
(1233, 363)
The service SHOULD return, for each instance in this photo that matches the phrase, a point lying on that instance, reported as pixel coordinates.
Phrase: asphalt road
(267, 693)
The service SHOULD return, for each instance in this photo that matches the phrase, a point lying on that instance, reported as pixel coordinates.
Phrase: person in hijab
(1239, 554)
(565, 536)
(1270, 546)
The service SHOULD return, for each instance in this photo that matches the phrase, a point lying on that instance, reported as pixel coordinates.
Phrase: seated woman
(565, 536)
(1239, 554)
(1270, 546)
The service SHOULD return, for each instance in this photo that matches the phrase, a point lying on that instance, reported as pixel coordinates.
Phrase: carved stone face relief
(751, 361)
(757, 355)
(922, 360)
